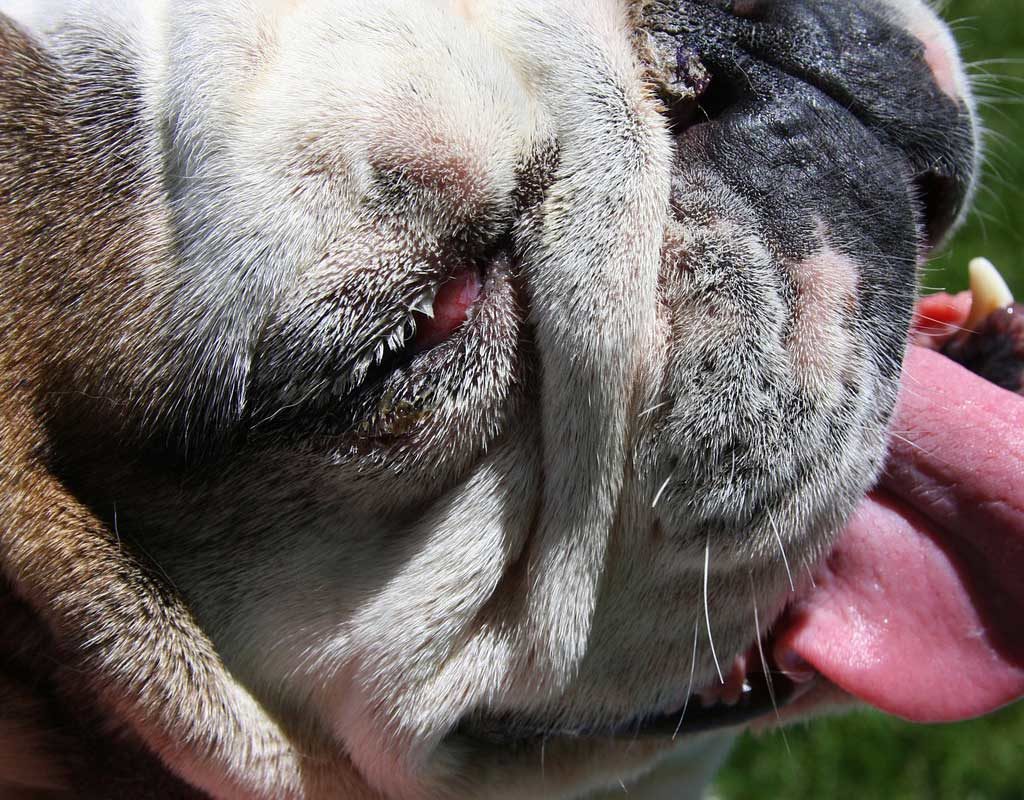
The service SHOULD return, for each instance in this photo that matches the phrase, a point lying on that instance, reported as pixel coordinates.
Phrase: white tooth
(425, 303)
(747, 688)
(989, 291)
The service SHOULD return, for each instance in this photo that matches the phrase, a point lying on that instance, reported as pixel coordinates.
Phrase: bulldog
(444, 398)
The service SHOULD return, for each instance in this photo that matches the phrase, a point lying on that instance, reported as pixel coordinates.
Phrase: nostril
(681, 95)
(696, 95)
(749, 9)
(939, 196)
(722, 95)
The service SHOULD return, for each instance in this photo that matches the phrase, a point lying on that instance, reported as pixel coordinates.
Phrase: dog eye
(453, 302)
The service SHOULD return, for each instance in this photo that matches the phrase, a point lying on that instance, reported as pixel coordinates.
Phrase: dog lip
(764, 694)
(765, 697)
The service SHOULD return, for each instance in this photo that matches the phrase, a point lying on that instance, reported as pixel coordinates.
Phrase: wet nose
(892, 64)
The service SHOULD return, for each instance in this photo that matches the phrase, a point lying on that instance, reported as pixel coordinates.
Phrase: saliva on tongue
(919, 610)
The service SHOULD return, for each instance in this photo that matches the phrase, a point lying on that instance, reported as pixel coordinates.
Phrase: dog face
(441, 388)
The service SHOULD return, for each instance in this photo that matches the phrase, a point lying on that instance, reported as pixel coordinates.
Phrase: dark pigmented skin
(817, 125)
(995, 351)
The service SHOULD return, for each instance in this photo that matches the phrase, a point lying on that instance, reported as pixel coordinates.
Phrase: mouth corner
(745, 696)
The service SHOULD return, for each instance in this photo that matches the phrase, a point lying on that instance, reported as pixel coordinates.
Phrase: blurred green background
(867, 755)
(991, 34)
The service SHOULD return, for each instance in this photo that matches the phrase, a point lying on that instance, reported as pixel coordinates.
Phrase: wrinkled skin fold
(409, 399)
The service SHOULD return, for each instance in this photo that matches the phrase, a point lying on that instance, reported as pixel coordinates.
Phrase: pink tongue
(919, 612)
(451, 309)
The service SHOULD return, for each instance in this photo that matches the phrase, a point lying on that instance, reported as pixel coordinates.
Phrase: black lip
(766, 696)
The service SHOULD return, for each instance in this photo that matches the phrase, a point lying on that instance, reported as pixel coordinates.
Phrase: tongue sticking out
(918, 611)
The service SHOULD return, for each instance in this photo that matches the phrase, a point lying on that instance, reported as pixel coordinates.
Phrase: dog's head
(432, 396)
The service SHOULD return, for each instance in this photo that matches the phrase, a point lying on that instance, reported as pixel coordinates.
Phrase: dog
(441, 398)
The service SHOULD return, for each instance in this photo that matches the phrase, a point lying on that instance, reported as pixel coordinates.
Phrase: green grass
(991, 33)
(867, 755)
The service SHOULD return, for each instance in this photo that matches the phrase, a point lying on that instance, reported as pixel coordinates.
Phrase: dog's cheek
(779, 389)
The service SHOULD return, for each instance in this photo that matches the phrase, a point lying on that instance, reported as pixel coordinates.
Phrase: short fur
(254, 545)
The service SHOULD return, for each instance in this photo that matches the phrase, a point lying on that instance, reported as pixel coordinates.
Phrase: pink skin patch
(940, 55)
(943, 66)
(451, 309)
(826, 289)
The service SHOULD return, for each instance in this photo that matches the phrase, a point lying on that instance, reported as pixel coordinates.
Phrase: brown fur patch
(111, 667)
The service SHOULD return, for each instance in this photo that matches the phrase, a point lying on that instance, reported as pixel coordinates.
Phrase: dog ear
(128, 649)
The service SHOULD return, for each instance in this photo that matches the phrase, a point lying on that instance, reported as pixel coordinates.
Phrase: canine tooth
(989, 290)
(425, 303)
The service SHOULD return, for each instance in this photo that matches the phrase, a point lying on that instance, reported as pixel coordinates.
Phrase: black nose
(852, 51)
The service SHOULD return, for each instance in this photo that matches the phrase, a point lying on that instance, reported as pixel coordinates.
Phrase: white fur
(380, 631)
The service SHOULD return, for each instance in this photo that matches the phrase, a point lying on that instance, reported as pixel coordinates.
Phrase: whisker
(782, 549)
(760, 648)
(810, 574)
(910, 442)
(707, 612)
(764, 662)
(689, 686)
(661, 491)
(652, 409)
